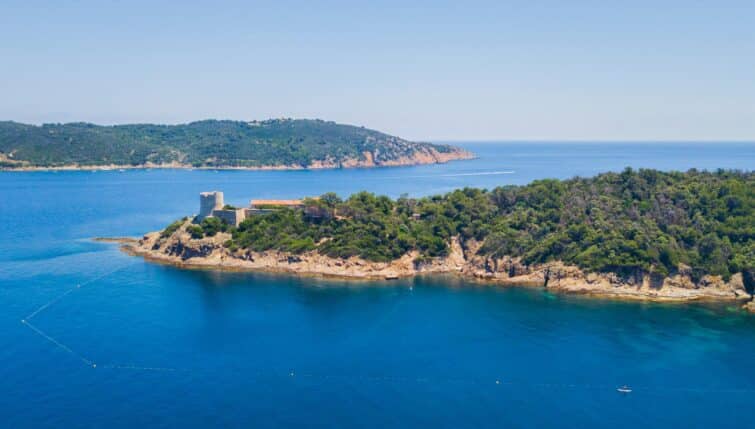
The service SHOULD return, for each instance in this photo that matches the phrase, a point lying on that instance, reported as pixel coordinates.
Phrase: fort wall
(231, 217)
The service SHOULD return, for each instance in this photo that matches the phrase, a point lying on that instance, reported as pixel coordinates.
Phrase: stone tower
(209, 201)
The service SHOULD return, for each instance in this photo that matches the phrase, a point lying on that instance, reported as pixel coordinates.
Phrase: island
(270, 144)
(637, 234)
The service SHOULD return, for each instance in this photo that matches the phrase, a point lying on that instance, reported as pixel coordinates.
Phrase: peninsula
(644, 234)
(270, 144)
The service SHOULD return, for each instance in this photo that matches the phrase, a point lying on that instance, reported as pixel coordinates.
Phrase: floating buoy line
(26, 321)
(293, 375)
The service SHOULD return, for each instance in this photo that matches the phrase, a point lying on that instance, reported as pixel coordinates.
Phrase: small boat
(391, 276)
(624, 389)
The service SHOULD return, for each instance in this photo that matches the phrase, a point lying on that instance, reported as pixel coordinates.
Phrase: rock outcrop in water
(180, 249)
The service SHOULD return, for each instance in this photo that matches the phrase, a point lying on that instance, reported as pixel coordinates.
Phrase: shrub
(172, 228)
(196, 231)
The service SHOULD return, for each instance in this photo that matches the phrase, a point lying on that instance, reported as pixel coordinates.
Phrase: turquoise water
(177, 348)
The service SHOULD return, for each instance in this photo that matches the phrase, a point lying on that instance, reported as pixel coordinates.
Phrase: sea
(91, 337)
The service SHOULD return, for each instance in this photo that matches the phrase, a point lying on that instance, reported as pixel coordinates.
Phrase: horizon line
(591, 140)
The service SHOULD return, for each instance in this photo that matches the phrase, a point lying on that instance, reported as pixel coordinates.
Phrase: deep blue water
(177, 348)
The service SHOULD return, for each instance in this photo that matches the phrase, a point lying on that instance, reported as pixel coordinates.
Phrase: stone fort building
(211, 204)
(208, 202)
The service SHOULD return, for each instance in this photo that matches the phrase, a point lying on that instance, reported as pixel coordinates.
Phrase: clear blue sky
(669, 70)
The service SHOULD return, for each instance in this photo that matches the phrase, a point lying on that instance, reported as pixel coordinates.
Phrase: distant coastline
(274, 144)
(439, 158)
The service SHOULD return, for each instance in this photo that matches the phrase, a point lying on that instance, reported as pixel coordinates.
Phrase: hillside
(637, 233)
(278, 143)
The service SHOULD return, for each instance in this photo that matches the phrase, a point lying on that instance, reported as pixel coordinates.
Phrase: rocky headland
(181, 250)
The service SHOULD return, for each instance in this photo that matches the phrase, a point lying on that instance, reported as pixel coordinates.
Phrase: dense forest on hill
(646, 220)
(208, 143)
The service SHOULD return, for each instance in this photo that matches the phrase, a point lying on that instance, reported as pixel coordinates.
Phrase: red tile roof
(255, 203)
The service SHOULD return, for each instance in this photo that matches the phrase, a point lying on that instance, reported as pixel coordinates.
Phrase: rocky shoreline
(369, 160)
(180, 250)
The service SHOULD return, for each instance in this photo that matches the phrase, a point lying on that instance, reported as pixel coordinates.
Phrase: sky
(472, 70)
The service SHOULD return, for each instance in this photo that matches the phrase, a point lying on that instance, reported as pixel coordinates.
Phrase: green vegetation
(207, 228)
(196, 231)
(208, 143)
(620, 222)
(173, 227)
